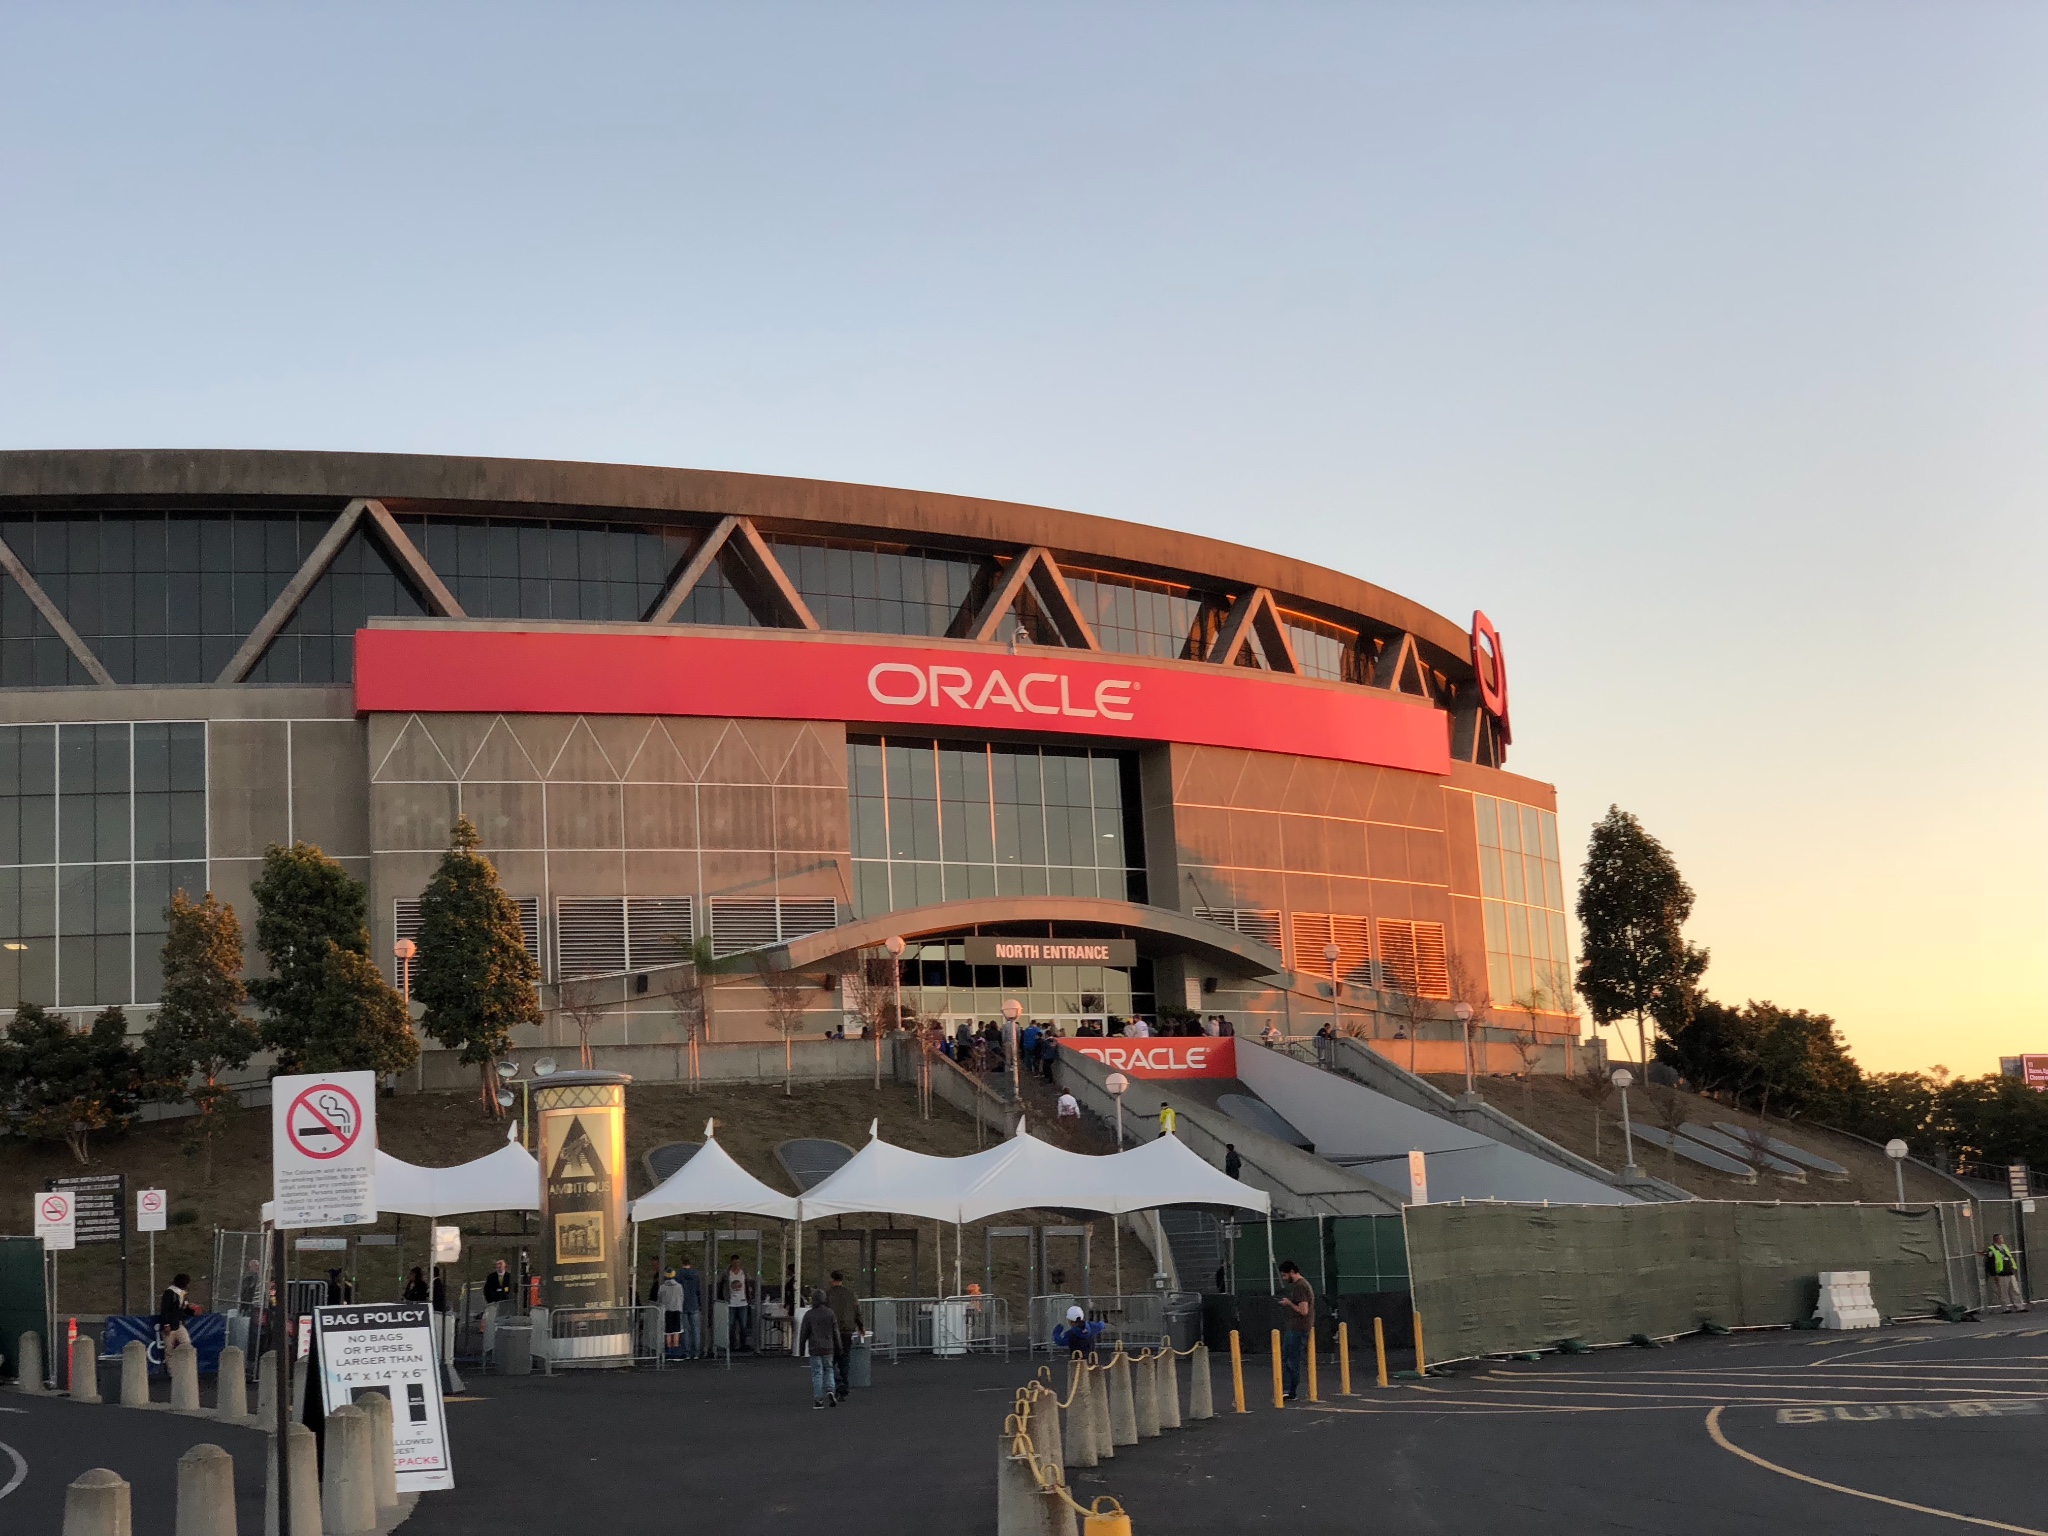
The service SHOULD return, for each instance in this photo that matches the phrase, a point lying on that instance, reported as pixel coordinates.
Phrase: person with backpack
(819, 1333)
(2004, 1271)
(172, 1313)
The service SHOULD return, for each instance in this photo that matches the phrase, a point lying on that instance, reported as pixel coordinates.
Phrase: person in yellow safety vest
(1168, 1120)
(2004, 1271)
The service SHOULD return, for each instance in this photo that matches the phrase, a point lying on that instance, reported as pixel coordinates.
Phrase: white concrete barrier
(1845, 1300)
(28, 1364)
(348, 1489)
(383, 1449)
(97, 1504)
(1145, 1395)
(182, 1361)
(1201, 1393)
(231, 1386)
(266, 1390)
(85, 1370)
(206, 1492)
(135, 1374)
(305, 1465)
(1123, 1420)
(1166, 1379)
(1080, 1432)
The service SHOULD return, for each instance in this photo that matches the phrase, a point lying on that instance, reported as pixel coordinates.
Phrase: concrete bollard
(1021, 1509)
(85, 1370)
(206, 1492)
(383, 1448)
(97, 1504)
(135, 1374)
(1099, 1415)
(266, 1390)
(348, 1490)
(1078, 1437)
(1166, 1381)
(231, 1386)
(1201, 1393)
(28, 1365)
(1144, 1395)
(305, 1465)
(1123, 1419)
(182, 1361)
(1045, 1428)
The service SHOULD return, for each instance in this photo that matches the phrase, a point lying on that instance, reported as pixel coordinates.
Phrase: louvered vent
(1414, 957)
(590, 936)
(740, 923)
(1252, 922)
(1314, 931)
(659, 930)
(405, 924)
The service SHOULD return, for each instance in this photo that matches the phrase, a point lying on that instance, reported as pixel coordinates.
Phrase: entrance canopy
(711, 1183)
(892, 1180)
(507, 1180)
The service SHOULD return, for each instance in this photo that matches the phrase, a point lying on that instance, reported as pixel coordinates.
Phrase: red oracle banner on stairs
(800, 677)
(1173, 1056)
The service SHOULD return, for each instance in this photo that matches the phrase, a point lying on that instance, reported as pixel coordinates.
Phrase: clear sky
(1704, 346)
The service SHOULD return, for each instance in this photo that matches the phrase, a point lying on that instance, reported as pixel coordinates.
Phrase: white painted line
(20, 1466)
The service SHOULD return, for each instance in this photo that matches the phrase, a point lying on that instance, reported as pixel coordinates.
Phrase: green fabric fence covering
(1493, 1279)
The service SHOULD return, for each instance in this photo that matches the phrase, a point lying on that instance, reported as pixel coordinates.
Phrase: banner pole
(281, 1378)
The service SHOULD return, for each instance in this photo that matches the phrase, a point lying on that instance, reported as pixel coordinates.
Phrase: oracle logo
(1490, 663)
(901, 685)
(1205, 1056)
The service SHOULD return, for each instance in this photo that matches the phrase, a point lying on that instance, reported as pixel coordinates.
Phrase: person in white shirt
(739, 1299)
(1139, 1028)
(1070, 1107)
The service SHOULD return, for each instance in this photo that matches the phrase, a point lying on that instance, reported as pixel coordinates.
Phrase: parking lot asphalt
(1898, 1432)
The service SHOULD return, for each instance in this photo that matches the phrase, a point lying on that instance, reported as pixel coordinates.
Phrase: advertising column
(585, 1282)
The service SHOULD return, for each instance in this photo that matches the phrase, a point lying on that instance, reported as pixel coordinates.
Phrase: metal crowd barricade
(937, 1325)
(593, 1336)
(1132, 1320)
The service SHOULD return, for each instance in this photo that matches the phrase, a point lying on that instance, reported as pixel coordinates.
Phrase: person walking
(415, 1287)
(820, 1336)
(1297, 1319)
(1169, 1122)
(739, 1306)
(1077, 1335)
(693, 1310)
(846, 1313)
(2004, 1271)
(172, 1312)
(669, 1297)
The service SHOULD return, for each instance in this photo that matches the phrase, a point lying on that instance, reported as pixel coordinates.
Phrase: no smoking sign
(56, 1221)
(323, 1148)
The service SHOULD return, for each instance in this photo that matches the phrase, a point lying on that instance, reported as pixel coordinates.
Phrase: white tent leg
(798, 1298)
(1272, 1271)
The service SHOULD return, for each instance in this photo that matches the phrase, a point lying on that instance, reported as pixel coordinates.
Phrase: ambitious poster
(582, 1160)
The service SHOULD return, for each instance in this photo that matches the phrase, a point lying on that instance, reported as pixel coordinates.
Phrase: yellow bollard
(1312, 1363)
(1279, 1384)
(1421, 1368)
(1112, 1522)
(1379, 1349)
(1344, 1359)
(1236, 1371)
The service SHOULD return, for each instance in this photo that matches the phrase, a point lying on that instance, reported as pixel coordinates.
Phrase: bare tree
(788, 993)
(1670, 1108)
(869, 991)
(584, 1003)
(1596, 1088)
(687, 987)
(1528, 1047)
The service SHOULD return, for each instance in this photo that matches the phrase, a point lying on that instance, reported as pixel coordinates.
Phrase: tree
(62, 1084)
(1596, 1088)
(1769, 1058)
(585, 1003)
(788, 992)
(305, 902)
(475, 979)
(200, 1031)
(358, 1021)
(688, 988)
(1635, 961)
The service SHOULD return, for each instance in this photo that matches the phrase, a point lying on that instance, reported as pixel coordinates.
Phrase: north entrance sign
(1008, 951)
(323, 1149)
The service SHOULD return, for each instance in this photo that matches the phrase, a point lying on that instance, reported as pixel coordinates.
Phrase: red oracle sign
(796, 677)
(1173, 1056)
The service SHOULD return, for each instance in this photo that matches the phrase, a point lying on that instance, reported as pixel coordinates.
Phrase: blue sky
(1701, 345)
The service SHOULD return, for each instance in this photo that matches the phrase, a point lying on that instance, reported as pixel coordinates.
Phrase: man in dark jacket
(172, 1310)
(820, 1335)
(1077, 1333)
(846, 1313)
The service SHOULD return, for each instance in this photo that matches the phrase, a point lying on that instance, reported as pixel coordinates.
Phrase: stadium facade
(792, 717)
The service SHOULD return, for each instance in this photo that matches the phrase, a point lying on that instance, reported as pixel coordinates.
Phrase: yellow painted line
(1720, 1439)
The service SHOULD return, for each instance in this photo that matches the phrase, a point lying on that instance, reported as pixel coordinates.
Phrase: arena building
(795, 718)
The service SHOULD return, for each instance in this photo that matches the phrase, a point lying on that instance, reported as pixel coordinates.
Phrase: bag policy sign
(389, 1348)
(1171, 1056)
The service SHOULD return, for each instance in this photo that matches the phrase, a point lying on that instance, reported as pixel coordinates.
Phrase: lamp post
(1463, 1013)
(403, 951)
(509, 1071)
(1331, 954)
(1622, 1079)
(1895, 1149)
(1012, 1012)
(1116, 1083)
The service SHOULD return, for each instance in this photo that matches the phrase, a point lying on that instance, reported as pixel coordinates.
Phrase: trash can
(860, 1363)
(512, 1351)
(949, 1326)
(1183, 1318)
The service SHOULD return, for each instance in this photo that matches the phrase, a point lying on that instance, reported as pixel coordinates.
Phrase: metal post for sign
(280, 1342)
(152, 1273)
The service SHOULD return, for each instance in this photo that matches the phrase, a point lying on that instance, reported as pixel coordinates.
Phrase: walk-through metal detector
(1083, 1238)
(895, 1235)
(1009, 1234)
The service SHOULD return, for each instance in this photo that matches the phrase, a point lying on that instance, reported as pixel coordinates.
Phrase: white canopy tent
(711, 1182)
(506, 1180)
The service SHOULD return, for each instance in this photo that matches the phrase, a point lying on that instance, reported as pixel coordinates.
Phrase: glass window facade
(1326, 651)
(877, 590)
(1145, 618)
(1521, 883)
(940, 820)
(31, 654)
(939, 983)
(164, 597)
(318, 644)
(98, 825)
(501, 569)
